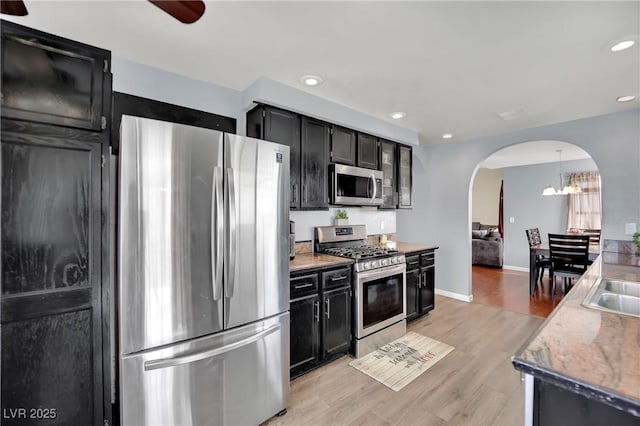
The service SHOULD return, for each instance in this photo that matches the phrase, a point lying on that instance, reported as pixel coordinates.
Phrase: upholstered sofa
(486, 245)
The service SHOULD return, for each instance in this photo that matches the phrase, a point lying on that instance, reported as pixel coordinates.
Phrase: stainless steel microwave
(355, 186)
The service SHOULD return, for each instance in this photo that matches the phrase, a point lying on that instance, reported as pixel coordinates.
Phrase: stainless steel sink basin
(622, 287)
(622, 297)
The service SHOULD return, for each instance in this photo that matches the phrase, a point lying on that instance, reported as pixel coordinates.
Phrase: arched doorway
(524, 170)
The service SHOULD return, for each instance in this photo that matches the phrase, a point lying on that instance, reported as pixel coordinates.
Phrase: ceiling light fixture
(398, 115)
(562, 190)
(627, 98)
(447, 136)
(311, 80)
(622, 45)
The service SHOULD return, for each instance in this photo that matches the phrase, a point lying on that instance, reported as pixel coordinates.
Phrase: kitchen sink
(622, 287)
(621, 297)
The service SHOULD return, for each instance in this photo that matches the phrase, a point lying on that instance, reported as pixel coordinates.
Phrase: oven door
(380, 299)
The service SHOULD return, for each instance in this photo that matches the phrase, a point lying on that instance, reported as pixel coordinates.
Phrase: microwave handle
(374, 187)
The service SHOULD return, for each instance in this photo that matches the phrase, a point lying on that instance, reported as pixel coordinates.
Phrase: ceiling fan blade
(13, 7)
(185, 11)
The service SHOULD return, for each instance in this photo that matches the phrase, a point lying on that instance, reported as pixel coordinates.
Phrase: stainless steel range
(379, 285)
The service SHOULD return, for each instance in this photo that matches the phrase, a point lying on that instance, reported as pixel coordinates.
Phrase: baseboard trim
(452, 295)
(515, 268)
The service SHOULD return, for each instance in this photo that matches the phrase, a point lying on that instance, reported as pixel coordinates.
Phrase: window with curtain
(584, 207)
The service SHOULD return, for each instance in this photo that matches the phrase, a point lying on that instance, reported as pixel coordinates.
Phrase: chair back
(569, 253)
(533, 235)
(594, 235)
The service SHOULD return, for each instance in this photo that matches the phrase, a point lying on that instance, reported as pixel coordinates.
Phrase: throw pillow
(493, 236)
(478, 234)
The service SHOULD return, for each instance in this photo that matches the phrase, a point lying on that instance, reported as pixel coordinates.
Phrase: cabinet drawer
(303, 284)
(413, 262)
(427, 259)
(336, 278)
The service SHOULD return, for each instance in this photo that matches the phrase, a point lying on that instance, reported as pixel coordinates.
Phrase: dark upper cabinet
(367, 151)
(314, 161)
(52, 356)
(343, 146)
(388, 165)
(404, 177)
(49, 79)
(283, 127)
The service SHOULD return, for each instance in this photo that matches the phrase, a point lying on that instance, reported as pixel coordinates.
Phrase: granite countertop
(304, 261)
(587, 351)
(410, 247)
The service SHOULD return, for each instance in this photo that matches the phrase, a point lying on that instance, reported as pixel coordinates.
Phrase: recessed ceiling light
(447, 136)
(622, 45)
(627, 98)
(398, 115)
(311, 80)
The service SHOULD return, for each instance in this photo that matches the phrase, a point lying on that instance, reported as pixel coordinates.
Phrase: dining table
(543, 249)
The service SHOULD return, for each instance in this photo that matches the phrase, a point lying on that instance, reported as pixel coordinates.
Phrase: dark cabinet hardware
(298, 287)
(338, 278)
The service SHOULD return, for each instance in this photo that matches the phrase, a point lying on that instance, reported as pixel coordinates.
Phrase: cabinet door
(404, 177)
(337, 321)
(52, 80)
(427, 290)
(413, 296)
(284, 127)
(305, 334)
(315, 150)
(51, 272)
(388, 167)
(343, 146)
(367, 151)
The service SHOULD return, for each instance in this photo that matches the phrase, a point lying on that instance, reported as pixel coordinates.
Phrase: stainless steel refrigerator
(203, 276)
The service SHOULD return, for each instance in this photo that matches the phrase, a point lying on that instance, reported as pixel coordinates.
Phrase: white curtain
(584, 207)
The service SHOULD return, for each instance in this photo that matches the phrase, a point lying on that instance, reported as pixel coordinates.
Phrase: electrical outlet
(512, 219)
(382, 225)
(630, 228)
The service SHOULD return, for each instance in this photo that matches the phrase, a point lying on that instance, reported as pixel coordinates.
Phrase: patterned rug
(397, 364)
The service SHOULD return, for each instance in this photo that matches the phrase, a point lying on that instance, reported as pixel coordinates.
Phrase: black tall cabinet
(54, 301)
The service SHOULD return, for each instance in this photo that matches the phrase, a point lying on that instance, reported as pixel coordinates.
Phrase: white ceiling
(451, 66)
(535, 152)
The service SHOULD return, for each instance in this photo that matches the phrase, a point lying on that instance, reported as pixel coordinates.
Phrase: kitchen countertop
(304, 261)
(587, 351)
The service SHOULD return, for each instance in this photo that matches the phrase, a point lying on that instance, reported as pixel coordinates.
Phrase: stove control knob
(384, 262)
(365, 266)
(394, 260)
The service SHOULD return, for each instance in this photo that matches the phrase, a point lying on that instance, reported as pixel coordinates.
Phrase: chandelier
(562, 190)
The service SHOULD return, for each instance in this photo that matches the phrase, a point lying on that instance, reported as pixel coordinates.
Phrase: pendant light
(562, 190)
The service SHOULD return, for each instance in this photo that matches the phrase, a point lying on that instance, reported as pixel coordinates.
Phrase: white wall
(486, 196)
(377, 221)
(524, 202)
(443, 176)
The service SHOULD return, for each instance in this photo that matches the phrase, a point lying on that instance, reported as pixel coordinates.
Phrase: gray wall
(524, 202)
(443, 176)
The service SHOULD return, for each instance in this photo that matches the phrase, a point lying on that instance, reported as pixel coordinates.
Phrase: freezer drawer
(236, 377)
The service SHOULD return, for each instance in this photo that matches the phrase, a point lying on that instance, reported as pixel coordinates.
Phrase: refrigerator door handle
(230, 278)
(217, 233)
(187, 359)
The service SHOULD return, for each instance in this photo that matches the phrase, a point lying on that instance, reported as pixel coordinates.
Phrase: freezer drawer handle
(186, 359)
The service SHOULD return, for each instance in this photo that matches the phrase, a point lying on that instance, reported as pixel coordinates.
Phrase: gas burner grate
(359, 252)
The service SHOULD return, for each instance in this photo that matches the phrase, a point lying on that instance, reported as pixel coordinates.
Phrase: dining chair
(594, 235)
(569, 256)
(542, 262)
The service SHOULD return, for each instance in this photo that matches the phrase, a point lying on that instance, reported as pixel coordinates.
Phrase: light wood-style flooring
(473, 385)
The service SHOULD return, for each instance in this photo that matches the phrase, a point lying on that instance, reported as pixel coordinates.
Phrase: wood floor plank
(473, 385)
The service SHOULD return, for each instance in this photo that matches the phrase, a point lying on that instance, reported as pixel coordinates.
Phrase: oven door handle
(380, 273)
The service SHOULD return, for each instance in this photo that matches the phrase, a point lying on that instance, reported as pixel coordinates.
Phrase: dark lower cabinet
(305, 333)
(554, 406)
(420, 283)
(320, 317)
(336, 327)
(52, 332)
